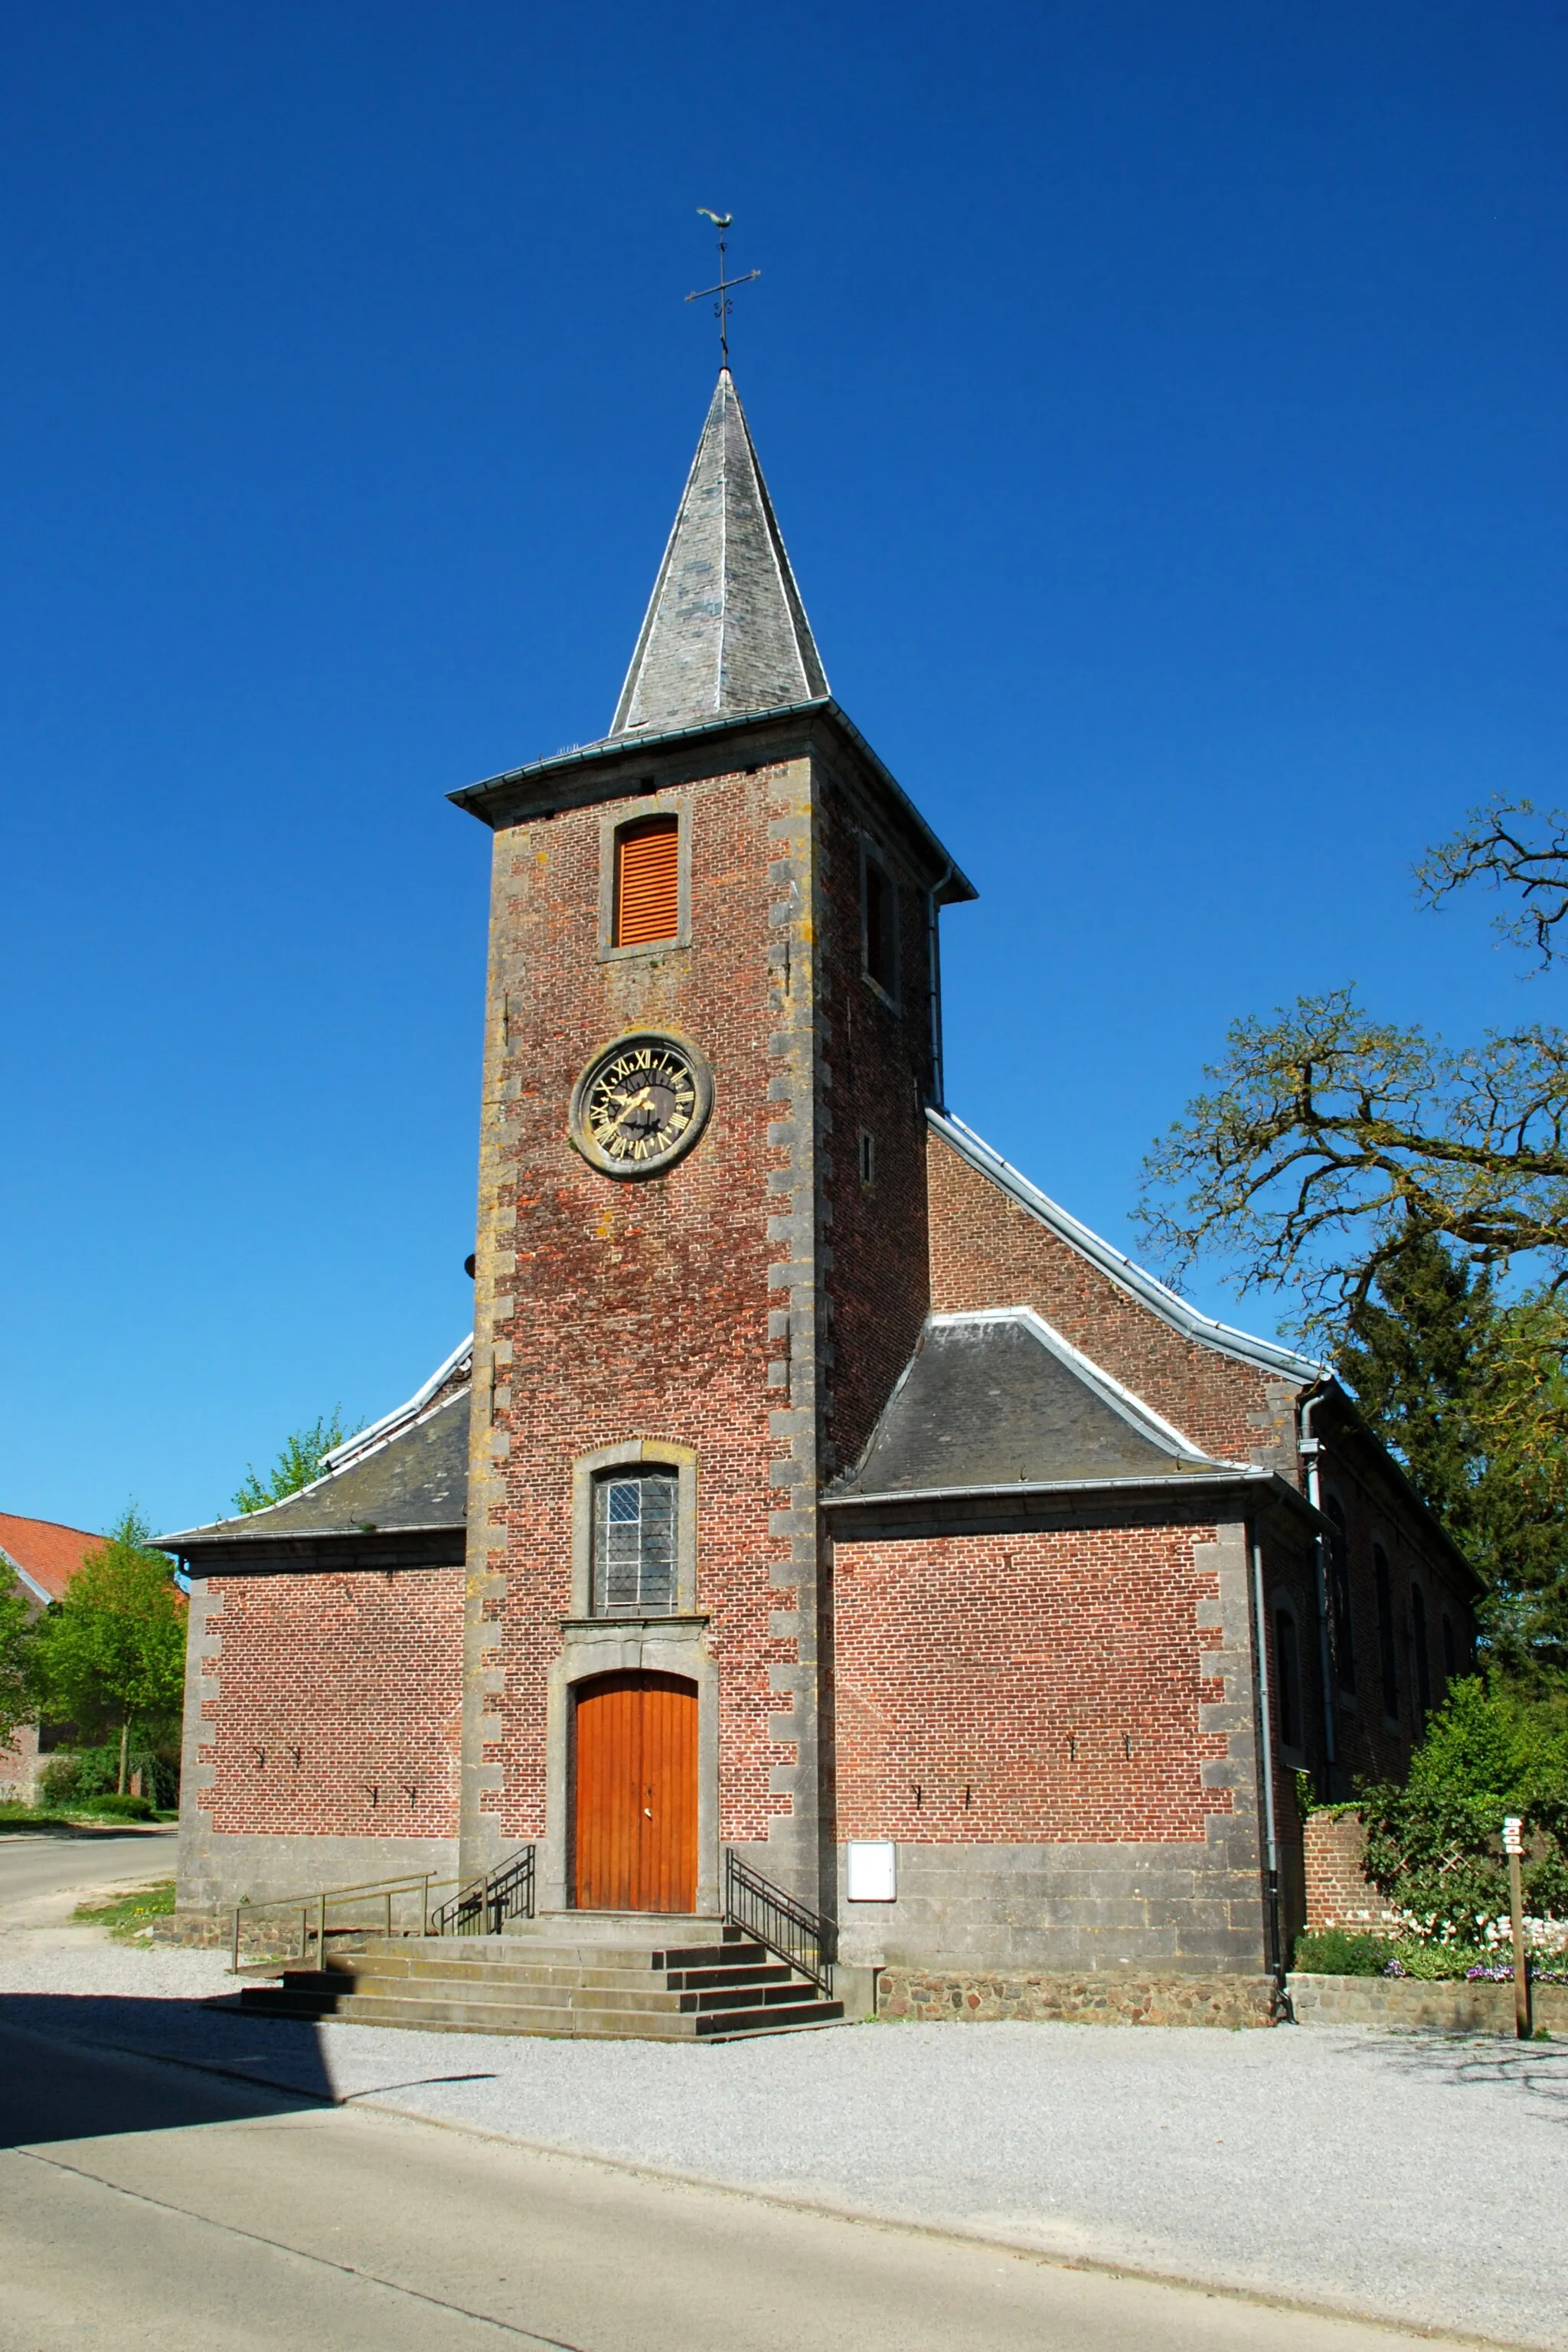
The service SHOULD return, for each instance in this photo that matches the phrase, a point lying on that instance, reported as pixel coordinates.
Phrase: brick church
(812, 1488)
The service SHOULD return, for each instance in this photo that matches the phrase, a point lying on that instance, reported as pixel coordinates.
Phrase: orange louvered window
(647, 881)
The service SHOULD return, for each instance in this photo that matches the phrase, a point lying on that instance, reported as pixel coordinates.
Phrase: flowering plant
(1433, 1845)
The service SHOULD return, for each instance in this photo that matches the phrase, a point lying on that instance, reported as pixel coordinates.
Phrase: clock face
(640, 1104)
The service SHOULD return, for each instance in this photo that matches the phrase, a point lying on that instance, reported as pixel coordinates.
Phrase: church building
(814, 1494)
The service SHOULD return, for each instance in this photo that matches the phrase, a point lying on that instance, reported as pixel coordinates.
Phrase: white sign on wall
(873, 1871)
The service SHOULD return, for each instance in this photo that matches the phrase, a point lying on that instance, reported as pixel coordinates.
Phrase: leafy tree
(15, 1632)
(1467, 1391)
(112, 1654)
(297, 1464)
(1433, 1846)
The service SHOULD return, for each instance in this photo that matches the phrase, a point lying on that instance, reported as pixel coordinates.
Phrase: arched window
(1387, 1656)
(1423, 1654)
(633, 1544)
(1287, 1680)
(1339, 1595)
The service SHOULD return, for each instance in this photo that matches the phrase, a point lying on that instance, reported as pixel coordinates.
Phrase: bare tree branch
(1329, 1142)
(1508, 844)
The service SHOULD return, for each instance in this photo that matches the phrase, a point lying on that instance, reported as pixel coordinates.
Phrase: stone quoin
(810, 1478)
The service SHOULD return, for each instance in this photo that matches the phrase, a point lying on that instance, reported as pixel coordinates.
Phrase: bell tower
(712, 1035)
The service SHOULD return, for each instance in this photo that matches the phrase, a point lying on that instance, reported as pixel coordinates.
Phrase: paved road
(147, 2204)
(31, 1864)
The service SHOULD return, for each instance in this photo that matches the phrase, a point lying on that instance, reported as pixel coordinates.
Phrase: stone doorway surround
(591, 1646)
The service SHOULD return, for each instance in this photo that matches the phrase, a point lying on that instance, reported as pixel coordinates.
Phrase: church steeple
(725, 630)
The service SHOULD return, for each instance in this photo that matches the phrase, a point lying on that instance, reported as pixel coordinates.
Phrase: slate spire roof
(725, 629)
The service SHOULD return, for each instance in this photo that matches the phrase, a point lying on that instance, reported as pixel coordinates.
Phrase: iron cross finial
(722, 221)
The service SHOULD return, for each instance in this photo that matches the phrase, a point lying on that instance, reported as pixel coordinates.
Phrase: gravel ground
(1411, 2176)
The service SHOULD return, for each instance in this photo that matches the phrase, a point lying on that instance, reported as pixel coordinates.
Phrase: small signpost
(1513, 1846)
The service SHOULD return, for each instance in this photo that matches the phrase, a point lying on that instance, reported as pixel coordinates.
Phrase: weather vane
(722, 221)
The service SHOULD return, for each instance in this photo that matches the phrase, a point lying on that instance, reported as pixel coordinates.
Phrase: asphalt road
(35, 1864)
(156, 2205)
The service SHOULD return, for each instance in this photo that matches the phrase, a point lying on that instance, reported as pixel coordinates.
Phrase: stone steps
(719, 1988)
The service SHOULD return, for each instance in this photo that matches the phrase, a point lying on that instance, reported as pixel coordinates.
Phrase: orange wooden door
(636, 1793)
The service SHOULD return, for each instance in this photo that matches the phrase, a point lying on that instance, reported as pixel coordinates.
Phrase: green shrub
(120, 1808)
(1433, 1846)
(75, 1774)
(1436, 1963)
(1336, 1952)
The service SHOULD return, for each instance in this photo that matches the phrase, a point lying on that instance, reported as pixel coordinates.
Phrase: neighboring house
(45, 1557)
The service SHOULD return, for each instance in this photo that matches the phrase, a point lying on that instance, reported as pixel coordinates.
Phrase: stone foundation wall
(1405, 2003)
(217, 1872)
(1195, 1909)
(1096, 1998)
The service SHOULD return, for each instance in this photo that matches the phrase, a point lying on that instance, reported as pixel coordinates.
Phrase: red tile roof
(48, 1553)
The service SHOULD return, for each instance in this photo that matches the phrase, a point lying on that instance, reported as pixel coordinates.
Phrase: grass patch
(127, 1915)
(47, 1819)
(32, 1817)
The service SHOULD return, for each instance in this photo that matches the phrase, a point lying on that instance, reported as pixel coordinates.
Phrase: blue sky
(1164, 408)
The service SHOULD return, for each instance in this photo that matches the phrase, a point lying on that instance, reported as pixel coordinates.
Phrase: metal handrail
(319, 1898)
(800, 1935)
(483, 1906)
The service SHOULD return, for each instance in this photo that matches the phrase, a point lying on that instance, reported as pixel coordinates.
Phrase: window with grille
(647, 882)
(634, 1544)
(880, 908)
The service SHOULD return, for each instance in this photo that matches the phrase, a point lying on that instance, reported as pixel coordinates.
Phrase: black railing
(804, 1939)
(482, 1907)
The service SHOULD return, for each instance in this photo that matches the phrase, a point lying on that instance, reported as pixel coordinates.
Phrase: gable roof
(455, 1368)
(995, 1399)
(1267, 1355)
(725, 629)
(395, 1496)
(44, 1554)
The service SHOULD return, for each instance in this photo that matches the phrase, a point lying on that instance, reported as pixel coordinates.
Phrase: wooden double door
(634, 1793)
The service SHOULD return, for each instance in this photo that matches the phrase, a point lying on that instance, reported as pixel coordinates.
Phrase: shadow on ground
(1467, 2061)
(73, 2067)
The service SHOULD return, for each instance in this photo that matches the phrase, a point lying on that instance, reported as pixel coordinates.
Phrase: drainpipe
(933, 979)
(1310, 1448)
(1265, 1736)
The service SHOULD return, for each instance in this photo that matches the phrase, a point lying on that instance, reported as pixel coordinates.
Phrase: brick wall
(1039, 1687)
(877, 1080)
(1338, 1892)
(1375, 1745)
(19, 1767)
(1074, 1708)
(988, 1251)
(329, 1706)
